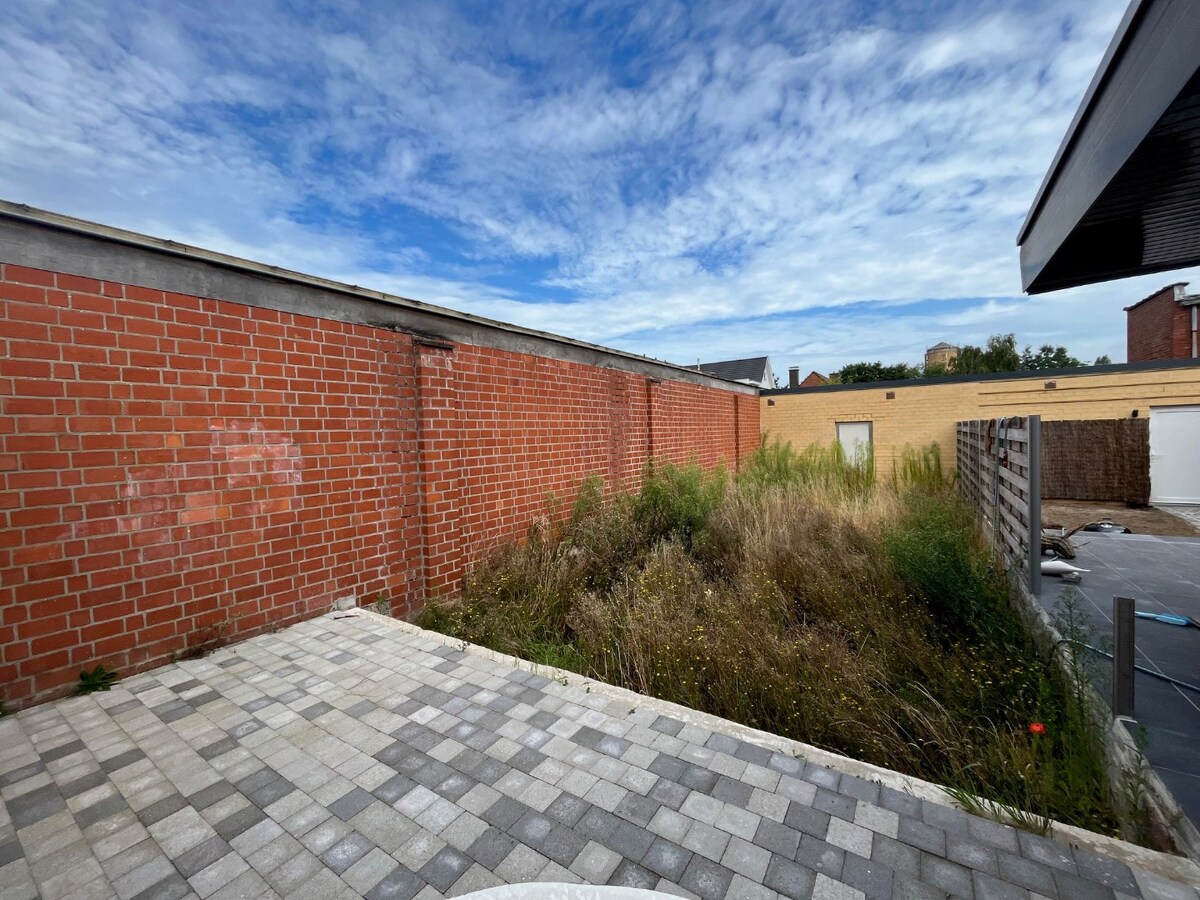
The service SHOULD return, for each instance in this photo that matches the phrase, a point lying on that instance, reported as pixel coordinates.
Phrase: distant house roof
(814, 379)
(752, 369)
(942, 345)
(1177, 284)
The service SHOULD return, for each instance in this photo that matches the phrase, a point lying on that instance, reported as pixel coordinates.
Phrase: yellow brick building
(924, 411)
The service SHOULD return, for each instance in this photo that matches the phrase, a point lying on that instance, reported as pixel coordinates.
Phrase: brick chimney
(793, 376)
(1163, 325)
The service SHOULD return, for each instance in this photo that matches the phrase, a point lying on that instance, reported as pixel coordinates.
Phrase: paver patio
(353, 756)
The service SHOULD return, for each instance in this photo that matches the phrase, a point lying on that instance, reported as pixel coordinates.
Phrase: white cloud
(681, 178)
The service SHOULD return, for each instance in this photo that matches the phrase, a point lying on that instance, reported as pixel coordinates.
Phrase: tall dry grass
(807, 599)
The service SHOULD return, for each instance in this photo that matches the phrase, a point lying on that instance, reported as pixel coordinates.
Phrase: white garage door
(1174, 460)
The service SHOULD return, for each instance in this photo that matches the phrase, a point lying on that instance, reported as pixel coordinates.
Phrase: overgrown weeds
(807, 599)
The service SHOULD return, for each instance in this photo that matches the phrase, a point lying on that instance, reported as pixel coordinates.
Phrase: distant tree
(935, 370)
(998, 355)
(858, 373)
(1048, 357)
(1102, 360)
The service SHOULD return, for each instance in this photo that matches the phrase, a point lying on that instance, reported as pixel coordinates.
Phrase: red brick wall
(1159, 328)
(177, 471)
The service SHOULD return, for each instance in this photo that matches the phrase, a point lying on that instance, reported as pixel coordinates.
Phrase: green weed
(93, 680)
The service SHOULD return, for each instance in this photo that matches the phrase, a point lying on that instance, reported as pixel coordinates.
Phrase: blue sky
(822, 182)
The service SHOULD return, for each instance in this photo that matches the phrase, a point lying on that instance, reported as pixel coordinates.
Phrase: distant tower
(940, 354)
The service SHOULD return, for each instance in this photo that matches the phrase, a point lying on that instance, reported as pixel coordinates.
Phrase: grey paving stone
(746, 859)
(236, 823)
(753, 753)
(161, 809)
(504, 813)
(638, 809)
(707, 841)
(667, 725)
(822, 776)
(98, 812)
(532, 828)
(568, 809)
(1043, 850)
(669, 767)
(971, 853)
(351, 803)
(202, 856)
(806, 819)
(698, 779)
(727, 790)
(789, 879)
(1108, 872)
(19, 774)
(945, 875)
(669, 824)
(944, 817)
(595, 863)
(598, 824)
(32, 807)
(315, 710)
(455, 786)
(217, 748)
(562, 845)
(925, 837)
(1025, 873)
(777, 838)
(62, 750)
(899, 802)
(1072, 887)
(998, 835)
(990, 888)
(667, 859)
(172, 887)
(84, 783)
(668, 793)
(905, 887)
(835, 804)
(629, 840)
(10, 851)
(859, 789)
(899, 857)
(121, 760)
(269, 793)
(706, 879)
(347, 852)
(445, 868)
(722, 743)
(630, 874)
(872, 878)
(394, 788)
(206, 797)
(491, 847)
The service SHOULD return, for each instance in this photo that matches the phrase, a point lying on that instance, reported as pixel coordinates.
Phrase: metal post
(1034, 426)
(1122, 684)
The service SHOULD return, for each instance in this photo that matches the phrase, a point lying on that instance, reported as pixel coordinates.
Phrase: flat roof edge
(1108, 62)
(1151, 366)
(23, 214)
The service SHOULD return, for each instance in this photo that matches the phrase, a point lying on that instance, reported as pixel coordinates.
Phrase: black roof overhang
(1122, 196)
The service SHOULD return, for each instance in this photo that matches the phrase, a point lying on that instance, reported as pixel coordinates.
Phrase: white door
(1174, 456)
(855, 438)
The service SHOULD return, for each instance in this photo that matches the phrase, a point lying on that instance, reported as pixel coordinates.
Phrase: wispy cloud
(822, 184)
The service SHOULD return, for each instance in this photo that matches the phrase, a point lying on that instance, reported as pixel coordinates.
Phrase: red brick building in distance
(1163, 325)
